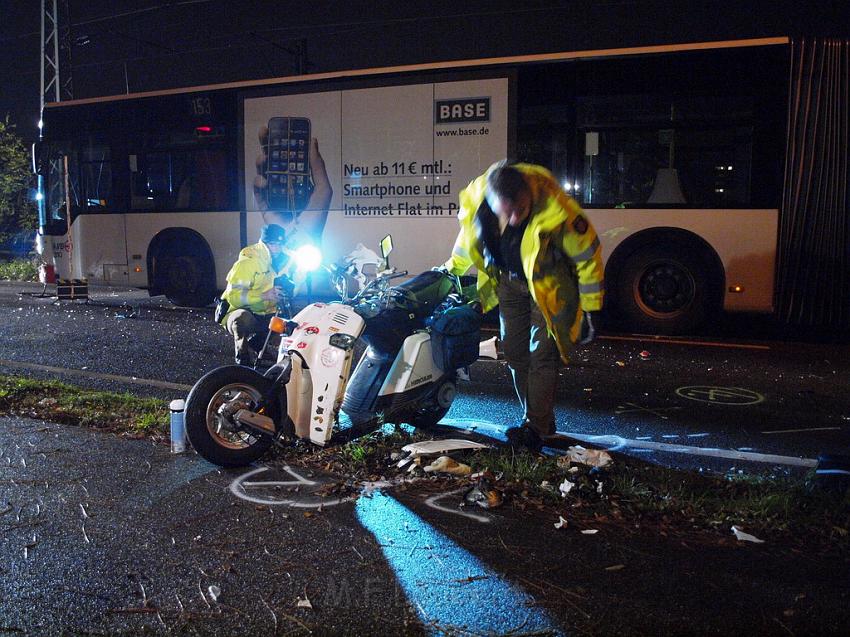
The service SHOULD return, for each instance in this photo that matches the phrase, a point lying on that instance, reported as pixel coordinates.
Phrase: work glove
(588, 331)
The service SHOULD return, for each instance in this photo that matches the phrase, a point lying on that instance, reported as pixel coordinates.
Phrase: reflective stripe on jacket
(249, 278)
(561, 287)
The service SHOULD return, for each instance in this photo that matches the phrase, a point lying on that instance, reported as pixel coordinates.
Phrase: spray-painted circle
(720, 395)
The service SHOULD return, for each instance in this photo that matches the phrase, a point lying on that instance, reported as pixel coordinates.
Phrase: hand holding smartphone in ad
(292, 187)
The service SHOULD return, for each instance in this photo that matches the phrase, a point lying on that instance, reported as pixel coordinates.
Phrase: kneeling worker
(253, 293)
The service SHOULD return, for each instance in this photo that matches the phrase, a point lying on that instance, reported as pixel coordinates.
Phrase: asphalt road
(753, 404)
(104, 535)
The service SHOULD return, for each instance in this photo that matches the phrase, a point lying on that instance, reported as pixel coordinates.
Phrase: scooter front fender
(320, 370)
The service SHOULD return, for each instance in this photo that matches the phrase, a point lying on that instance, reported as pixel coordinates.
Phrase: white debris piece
(590, 532)
(745, 537)
(561, 523)
(590, 457)
(214, 592)
(304, 603)
(437, 448)
(565, 487)
(445, 464)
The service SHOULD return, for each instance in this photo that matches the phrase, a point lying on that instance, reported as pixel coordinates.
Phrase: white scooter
(418, 334)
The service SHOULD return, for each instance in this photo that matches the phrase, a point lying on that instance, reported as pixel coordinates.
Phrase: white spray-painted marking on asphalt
(239, 485)
(615, 442)
(677, 341)
(84, 372)
(432, 502)
(720, 395)
(629, 407)
(793, 431)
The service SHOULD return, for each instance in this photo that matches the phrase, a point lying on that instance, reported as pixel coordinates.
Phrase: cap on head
(273, 233)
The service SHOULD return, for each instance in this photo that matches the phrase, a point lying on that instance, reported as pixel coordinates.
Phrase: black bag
(455, 335)
(221, 308)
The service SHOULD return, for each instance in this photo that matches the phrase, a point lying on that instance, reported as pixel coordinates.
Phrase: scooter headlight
(342, 341)
(307, 258)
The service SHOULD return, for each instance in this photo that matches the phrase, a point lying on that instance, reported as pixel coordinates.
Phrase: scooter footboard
(366, 381)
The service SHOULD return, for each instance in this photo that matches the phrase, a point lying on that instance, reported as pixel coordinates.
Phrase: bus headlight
(307, 258)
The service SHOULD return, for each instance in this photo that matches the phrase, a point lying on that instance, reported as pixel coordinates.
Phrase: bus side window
(193, 179)
(96, 177)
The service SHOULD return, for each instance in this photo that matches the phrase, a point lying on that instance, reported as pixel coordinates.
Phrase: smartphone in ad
(288, 164)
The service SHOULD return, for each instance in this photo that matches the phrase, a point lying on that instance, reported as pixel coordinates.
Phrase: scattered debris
(645, 355)
(590, 457)
(445, 464)
(484, 495)
(561, 523)
(620, 364)
(440, 447)
(565, 487)
(304, 603)
(215, 592)
(615, 567)
(590, 532)
(745, 537)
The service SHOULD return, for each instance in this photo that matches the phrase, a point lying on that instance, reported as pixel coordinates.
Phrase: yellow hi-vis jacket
(561, 287)
(249, 278)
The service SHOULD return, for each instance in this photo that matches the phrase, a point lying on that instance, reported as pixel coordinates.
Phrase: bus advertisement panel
(395, 157)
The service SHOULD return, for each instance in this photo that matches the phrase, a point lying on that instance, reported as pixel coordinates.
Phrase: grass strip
(67, 404)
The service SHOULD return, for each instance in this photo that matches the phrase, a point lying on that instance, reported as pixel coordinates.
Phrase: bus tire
(666, 289)
(185, 279)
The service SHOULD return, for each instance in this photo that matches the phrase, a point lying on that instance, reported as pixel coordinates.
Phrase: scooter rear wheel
(212, 436)
(436, 407)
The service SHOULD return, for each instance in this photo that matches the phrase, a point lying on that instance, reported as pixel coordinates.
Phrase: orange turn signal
(277, 325)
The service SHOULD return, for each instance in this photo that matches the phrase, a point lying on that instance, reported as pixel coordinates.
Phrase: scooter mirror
(386, 247)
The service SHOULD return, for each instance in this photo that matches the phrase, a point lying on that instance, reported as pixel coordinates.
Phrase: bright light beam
(450, 587)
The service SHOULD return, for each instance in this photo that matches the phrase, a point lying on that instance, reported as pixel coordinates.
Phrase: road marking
(87, 374)
(720, 395)
(615, 442)
(240, 486)
(793, 431)
(661, 339)
(628, 407)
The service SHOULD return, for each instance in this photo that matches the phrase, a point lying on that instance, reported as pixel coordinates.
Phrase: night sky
(152, 44)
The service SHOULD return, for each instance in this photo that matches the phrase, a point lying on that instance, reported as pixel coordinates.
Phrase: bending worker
(255, 286)
(539, 259)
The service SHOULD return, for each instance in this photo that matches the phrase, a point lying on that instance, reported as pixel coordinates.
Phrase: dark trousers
(531, 352)
(248, 331)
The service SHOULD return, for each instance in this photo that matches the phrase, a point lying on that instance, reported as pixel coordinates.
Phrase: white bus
(675, 152)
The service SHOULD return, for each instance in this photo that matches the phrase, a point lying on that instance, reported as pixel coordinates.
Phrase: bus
(675, 152)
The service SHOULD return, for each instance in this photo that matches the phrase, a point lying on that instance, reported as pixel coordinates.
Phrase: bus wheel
(185, 280)
(664, 289)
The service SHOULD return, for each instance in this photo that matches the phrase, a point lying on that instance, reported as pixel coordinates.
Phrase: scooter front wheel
(211, 429)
